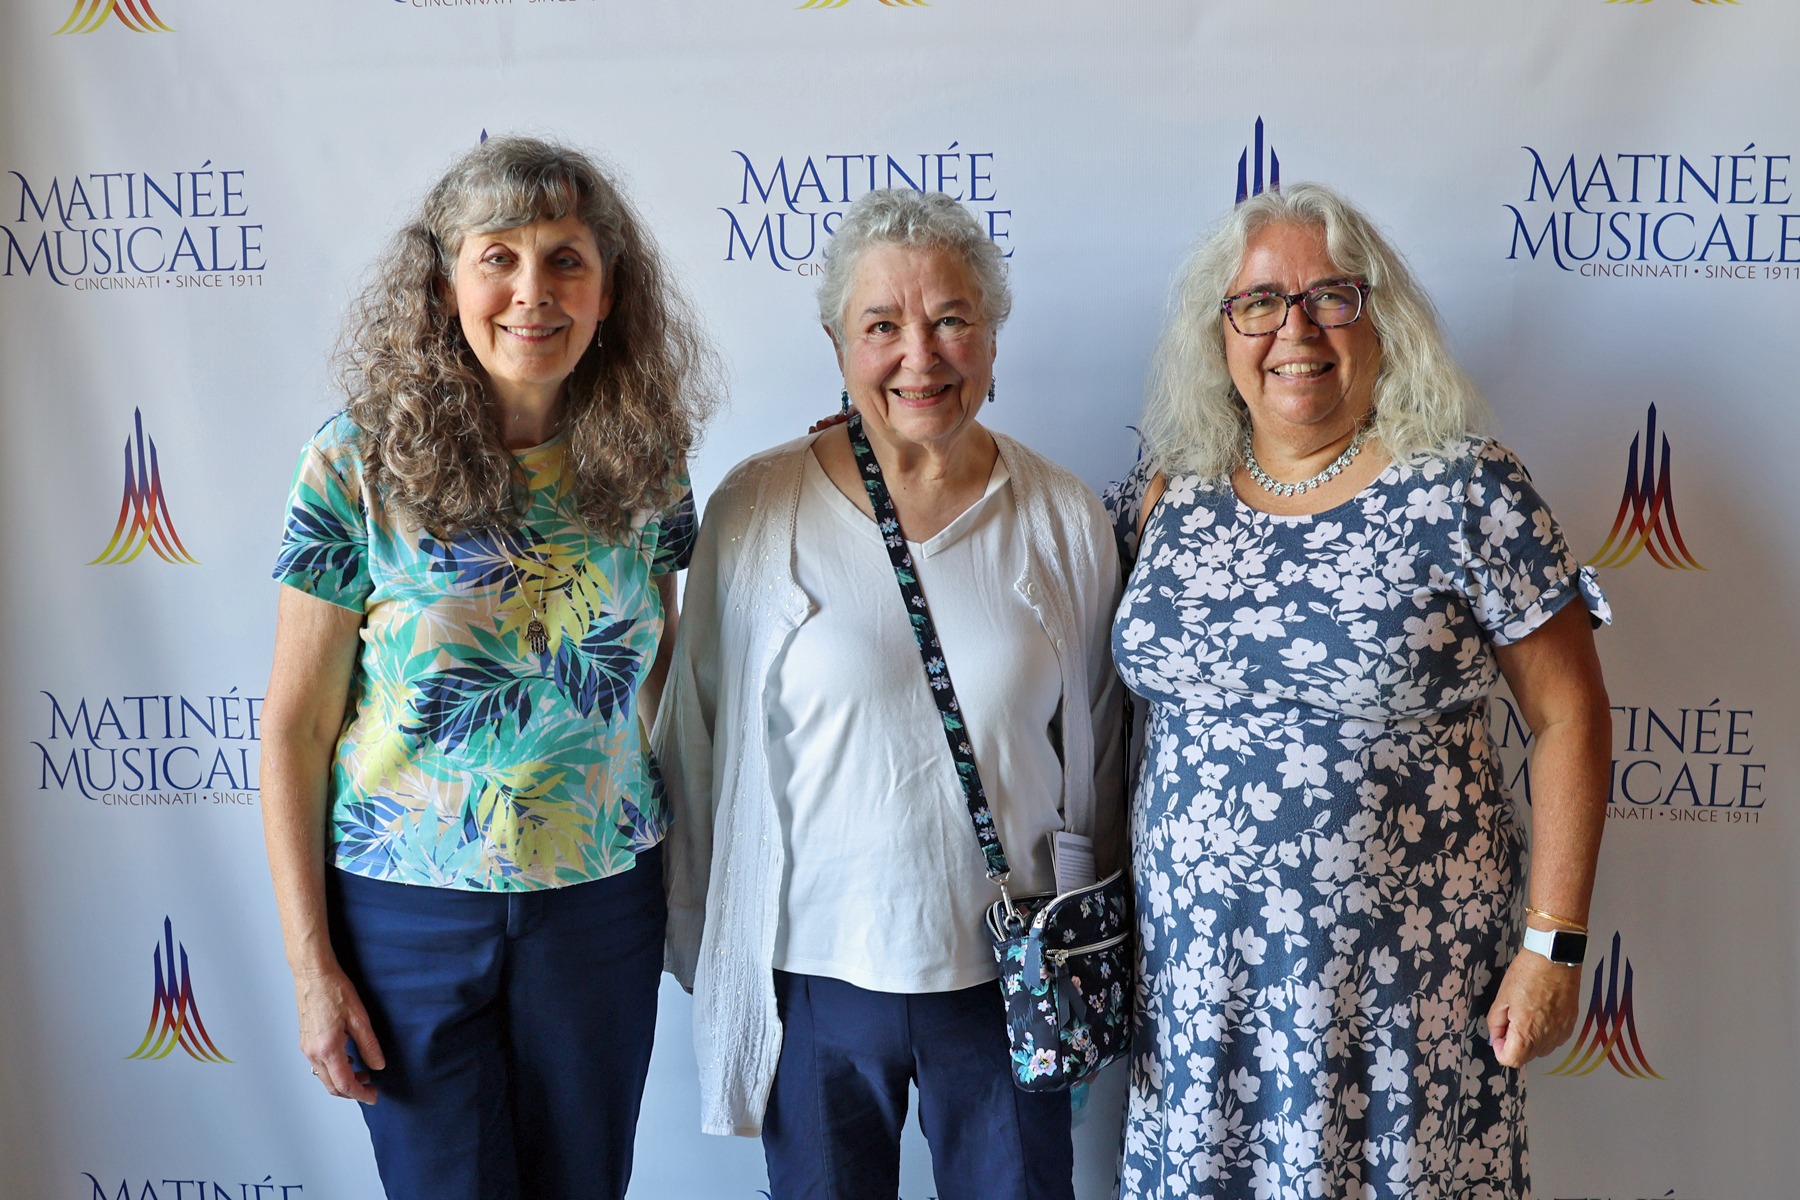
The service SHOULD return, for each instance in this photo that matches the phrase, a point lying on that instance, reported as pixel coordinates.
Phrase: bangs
(517, 198)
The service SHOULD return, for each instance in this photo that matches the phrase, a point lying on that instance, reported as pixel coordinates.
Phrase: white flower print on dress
(1328, 871)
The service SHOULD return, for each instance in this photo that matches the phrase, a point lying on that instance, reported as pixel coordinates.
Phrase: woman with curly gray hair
(827, 888)
(1343, 961)
(462, 817)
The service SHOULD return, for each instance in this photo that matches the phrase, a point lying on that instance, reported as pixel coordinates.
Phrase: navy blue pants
(832, 1131)
(517, 1029)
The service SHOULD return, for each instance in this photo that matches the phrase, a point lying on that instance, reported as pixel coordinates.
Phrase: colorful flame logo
(174, 1015)
(135, 15)
(1254, 185)
(841, 3)
(143, 511)
(1610, 1032)
(1646, 519)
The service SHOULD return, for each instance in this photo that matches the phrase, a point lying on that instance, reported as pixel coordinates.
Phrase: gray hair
(634, 406)
(512, 180)
(903, 217)
(1194, 419)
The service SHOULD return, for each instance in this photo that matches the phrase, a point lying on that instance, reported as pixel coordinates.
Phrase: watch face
(1568, 948)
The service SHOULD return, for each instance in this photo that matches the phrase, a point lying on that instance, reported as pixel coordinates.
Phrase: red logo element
(174, 1016)
(135, 15)
(1610, 1032)
(143, 511)
(1646, 519)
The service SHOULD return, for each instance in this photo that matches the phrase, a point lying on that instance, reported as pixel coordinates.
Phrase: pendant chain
(536, 633)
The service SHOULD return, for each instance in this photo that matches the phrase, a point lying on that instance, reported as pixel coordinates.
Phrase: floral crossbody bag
(1065, 956)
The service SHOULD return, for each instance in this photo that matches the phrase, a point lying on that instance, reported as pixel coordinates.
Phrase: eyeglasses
(1259, 314)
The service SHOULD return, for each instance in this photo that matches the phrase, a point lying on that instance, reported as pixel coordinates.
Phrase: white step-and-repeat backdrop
(1601, 195)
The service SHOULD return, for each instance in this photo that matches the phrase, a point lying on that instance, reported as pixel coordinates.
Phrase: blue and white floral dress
(1328, 872)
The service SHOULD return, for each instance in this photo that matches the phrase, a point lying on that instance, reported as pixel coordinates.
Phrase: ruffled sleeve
(1518, 568)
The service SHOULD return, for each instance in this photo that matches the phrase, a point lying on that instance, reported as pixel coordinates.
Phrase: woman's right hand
(331, 1016)
(836, 418)
(315, 655)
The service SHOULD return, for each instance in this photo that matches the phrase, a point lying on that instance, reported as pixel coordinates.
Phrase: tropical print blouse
(492, 741)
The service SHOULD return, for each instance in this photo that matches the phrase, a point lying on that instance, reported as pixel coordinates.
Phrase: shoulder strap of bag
(931, 653)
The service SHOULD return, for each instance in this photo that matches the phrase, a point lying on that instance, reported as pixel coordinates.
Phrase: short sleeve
(1123, 500)
(677, 526)
(1518, 566)
(325, 540)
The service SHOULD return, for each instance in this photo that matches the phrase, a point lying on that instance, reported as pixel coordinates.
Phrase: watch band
(1563, 947)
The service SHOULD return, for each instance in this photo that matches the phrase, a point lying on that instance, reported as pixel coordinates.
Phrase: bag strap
(931, 653)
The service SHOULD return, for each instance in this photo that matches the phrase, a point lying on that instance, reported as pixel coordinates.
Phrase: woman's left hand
(1535, 1010)
(1556, 683)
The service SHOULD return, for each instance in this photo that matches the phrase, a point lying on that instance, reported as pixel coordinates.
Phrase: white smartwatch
(1564, 947)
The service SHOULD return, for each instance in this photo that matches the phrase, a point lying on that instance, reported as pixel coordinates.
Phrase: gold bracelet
(1577, 926)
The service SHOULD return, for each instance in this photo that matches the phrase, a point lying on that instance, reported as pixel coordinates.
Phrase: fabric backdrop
(1600, 195)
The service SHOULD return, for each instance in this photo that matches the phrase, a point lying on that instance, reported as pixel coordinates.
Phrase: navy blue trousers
(832, 1130)
(516, 1026)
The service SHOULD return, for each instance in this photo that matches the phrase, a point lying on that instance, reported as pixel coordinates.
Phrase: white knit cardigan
(724, 852)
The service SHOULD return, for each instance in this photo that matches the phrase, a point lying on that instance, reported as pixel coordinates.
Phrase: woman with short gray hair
(827, 889)
(1343, 961)
(478, 562)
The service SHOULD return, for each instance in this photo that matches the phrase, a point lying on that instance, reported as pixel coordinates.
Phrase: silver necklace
(1269, 483)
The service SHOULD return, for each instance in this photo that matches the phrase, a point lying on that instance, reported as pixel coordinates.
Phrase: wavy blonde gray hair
(632, 409)
(1194, 418)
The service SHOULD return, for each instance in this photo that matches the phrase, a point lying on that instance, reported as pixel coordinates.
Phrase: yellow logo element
(1646, 519)
(144, 518)
(889, 3)
(174, 1014)
(135, 15)
(1609, 1035)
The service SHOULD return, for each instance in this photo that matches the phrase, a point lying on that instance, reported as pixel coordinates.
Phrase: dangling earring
(599, 331)
(844, 403)
(990, 399)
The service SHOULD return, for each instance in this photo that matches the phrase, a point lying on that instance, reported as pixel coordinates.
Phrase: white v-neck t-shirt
(884, 885)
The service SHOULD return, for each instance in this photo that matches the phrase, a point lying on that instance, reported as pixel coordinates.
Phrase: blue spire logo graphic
(1646, 520)
(1609, 1035)
(174, 1013)
(1255, 176)
(144, 519)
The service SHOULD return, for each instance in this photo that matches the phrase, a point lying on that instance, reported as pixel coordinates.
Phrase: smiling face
(1301, 383)
(916, 354)
(529, 300)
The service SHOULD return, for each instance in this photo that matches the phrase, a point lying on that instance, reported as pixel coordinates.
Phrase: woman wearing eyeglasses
(1344, 960)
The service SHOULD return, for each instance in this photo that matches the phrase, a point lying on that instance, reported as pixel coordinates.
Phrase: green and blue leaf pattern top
(470, 758)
